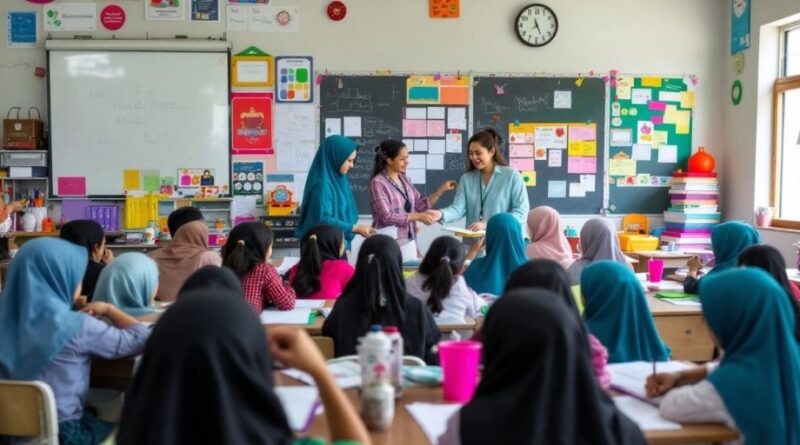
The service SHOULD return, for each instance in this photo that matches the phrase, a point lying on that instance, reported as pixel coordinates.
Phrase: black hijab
(212, 277)
(87, 234)
(770, 259)
(538, 385)
(377, 295)
(205, 377)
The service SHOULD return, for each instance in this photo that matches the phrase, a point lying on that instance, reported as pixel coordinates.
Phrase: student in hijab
(377, 295)
(768, 258)
(181, 216)
(728, 240)
(538, 386)
(505, 251)
(208, 277)
(323, 271)
(89, 235)
(328, 197)
(755, 388)
(129, 283)
(547, 238)
(187, 252)
(191, 388)
(598, 242)
(43, 339)
(616, 312)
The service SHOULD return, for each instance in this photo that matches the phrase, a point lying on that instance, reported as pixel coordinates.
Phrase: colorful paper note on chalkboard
(71, 186)
(622, 167)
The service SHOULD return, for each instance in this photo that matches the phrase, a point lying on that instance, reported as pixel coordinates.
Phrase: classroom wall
(747, 135)
(669, 38)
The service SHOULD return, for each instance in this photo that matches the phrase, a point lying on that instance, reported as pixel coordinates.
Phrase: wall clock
(536, 25)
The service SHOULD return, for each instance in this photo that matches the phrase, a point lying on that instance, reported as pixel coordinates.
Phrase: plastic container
(655, 270)
(377, 403)
(374, 355)
(459, 361)
(396, 358)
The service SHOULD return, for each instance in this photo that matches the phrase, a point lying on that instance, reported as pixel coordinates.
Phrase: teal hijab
(36, 319)
(616, 312)
(728, 240)
(128, 282)
(328, 198)
(759, 375)
(505, 251)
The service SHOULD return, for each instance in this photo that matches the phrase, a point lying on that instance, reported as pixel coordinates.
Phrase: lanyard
(480, 192)
(407, 207)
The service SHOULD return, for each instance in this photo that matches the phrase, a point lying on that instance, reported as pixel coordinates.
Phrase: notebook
(630, 377)
(300, 403)
(294, 316)
(464, 233)
(646, 416)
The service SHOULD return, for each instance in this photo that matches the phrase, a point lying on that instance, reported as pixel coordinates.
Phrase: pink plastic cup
(655, 268)
(459, 361)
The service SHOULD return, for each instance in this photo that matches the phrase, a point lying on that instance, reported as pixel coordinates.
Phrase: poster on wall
(248, 178)
(251, 123)
(21, 29)
(205, 10)
(293, 77)
(70, 17)
(740, 25)
(164, 10)
(112, 17)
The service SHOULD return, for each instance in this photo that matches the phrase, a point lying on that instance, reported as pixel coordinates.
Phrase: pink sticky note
(582, 164)
(657, 105)
(657, 120)
(416, 128)
(436, 129)
(582, 133)
(522, 164)
(72, 186)
(521, 150)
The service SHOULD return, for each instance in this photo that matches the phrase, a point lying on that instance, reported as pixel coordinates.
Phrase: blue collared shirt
(505, 193)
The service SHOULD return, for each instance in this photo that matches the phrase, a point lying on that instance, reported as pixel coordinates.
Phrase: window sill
(778, 229)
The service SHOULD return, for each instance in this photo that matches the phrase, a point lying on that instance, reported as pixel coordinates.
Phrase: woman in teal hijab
(616, 312)
(505, 251)
(36, 320)
(728, 240)
(129, 283)
(327, 197)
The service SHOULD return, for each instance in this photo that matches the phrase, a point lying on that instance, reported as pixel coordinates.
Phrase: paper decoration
(70, 17)
(251, 123)
(262, 18)
(581, 164)
(621, 167)
(252, 68)
(248, 178)
(529, 178)
(740, 25)
(620, 137)
(562, 99)
(71, 186)
(205, 10)
(165, 10)
(438, 90)
(444, 9)
(195, 177)
(112, 17)
(293, 75)
(556, 189)
(21, 29)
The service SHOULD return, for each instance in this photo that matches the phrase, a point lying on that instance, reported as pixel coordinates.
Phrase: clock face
(536, 25)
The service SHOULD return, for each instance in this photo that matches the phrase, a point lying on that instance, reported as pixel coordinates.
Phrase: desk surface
(405, 430)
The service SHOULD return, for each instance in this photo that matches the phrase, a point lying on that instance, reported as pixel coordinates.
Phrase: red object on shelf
(694, 175)
(337, 10)
(701, 162)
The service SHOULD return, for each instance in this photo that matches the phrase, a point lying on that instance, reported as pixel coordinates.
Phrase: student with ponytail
(439, 283)
(247, 253)
(322, 272)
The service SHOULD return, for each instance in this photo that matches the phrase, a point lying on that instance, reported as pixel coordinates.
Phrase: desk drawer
(687, 336)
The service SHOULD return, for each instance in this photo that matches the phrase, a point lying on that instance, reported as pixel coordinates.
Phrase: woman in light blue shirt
(487, 188)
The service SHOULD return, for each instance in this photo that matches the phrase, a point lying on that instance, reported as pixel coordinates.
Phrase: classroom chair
(408, 360)
(325, 345)
(28, 409)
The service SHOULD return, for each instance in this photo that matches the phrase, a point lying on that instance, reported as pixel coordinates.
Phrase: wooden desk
(405, 430)
(672, 260)
(682, 328)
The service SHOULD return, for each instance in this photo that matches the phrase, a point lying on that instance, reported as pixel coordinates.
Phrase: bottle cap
(391, 329)
(375, 328)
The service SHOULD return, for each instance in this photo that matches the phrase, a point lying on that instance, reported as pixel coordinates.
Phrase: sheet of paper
(417, 176)
(651, 81)
(346, 374)
(432, 418)
(287, 263)
(295, 156)
(415, 128)
(556, 189)
(416, 113)
(421, 145)
(687, 99)
(237, 18)
(390, 231)
(682, 129)
(311, 304)
(560, 140)
(529, 178)
(416, 162)
(540, 153)
(555, 158)
(669, 96)
(630, 377)
(562, 99)
(457, 118)
(581, 164)
(644, 132)
(436, 112)
(582, 133)
(409, 143)
(683, 117)
(520, 164)
(656, 105)
(294, 316)
(668, 154)
(624, 86)
(465, 233)
(130, 180)
(333, 126)
(641, 152)
(621, 167)
(640, 96)
(435, 162)
(621, 137)
(352, 126)
(582, 148)
(453, 143)
(545, 137)
(659, 138)
(521, 150)
(436, 146)
(300, 405)
(296, 123)
(588, 182)
(671, 114)
(646, 416)
(436, 128)
(576, 190)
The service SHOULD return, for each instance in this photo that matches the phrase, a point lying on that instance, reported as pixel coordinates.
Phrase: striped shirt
(388, 205)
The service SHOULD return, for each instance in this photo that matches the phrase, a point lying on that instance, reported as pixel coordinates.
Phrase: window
(786, 134)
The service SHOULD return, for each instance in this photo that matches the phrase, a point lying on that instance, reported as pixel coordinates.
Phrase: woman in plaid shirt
(247, 253)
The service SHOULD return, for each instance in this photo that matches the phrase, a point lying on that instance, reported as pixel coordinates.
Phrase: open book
(465, 233)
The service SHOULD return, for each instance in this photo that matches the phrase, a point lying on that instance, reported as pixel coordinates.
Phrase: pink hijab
(182, 257)
(547, 239)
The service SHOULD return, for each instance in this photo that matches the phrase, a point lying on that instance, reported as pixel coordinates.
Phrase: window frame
(782, 84)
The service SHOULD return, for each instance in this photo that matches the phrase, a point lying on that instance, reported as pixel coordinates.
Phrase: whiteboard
(112, 111)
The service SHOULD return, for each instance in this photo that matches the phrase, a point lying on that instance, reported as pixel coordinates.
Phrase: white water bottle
(374, 355)
(396, 358)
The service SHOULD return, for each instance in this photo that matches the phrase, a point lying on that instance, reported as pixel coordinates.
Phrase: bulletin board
(554, 133)
(428, 113)
(650, 137)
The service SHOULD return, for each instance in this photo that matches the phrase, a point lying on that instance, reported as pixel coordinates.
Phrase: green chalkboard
(644, 108)
(502, 101)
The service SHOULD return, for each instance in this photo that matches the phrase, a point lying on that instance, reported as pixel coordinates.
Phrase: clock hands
(536, 22)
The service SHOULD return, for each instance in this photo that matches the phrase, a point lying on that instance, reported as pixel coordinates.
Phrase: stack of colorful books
(693, 212)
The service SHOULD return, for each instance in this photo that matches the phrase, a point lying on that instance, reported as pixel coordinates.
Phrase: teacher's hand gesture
(363, 230)
(447, 186)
